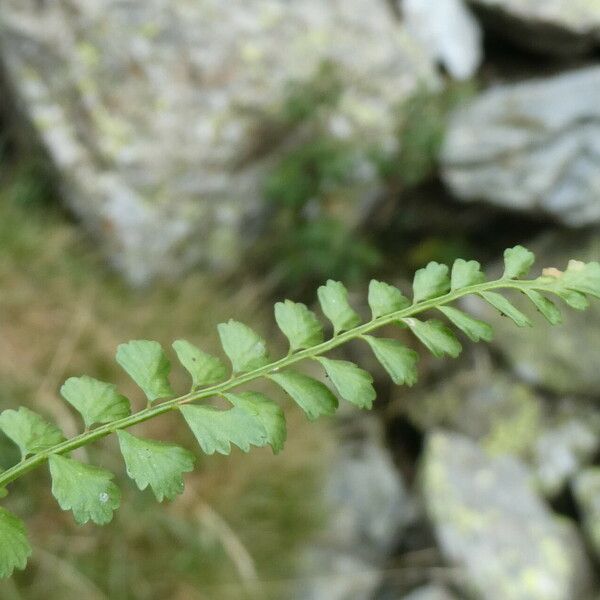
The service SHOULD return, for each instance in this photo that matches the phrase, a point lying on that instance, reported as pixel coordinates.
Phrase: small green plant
(422, 122)
(317, 189)
(312, 186)
(252, 419)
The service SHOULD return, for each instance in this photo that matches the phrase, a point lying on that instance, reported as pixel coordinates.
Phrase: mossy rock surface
(555, 437)
(490, 523)
(497, 410)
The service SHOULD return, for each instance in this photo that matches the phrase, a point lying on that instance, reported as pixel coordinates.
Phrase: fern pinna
(252, 419)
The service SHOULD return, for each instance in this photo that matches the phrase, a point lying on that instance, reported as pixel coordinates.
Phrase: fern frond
(252, 419)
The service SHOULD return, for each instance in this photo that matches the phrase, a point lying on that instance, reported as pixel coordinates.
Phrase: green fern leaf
(385, 299)
(146, 363)
(500, 303)
(582, 277)
(96, 401)
(217, 429)
(333, 297)
(436, 337)
(517, 262)
(546, 307)
(86, 490)
(353, 383)
(254, 420)
(299, 324)
(156, 464)
(268, 413)
(475, 329)
(399, 361)
(430, 282)
(204, 368)
(465, 273)
(312, 396)
(244, 347)
(14, 546)
(29, 431)
(575, 300)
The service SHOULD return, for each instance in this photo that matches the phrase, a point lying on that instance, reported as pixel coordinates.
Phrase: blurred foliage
(315, 186)
(242, 519)
(305, 98)
(443, 249)
(324, 249)
(418, 220)
(310, 188)
(309, 171)
(422, 122)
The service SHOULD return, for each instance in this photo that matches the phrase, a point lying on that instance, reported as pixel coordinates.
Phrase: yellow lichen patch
(89, 54)
(515, 432)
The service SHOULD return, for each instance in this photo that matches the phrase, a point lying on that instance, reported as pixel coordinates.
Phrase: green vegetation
(422, 123)
(220, 415)
(309, 189)
(312, 184)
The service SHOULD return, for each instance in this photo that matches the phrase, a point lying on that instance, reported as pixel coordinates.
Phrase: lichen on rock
(492, 525)
(147, 109)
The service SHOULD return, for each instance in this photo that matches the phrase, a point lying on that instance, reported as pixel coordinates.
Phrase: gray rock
(502, 414)
(532, 146)
(586, 488)
(448, 32)
(491, 524)
(556, 27)
(561, 358)
(369, 507)
(505, 416)
(369, 504)
(329, 574)
(430, 592)
(568, 440)
(150, 110)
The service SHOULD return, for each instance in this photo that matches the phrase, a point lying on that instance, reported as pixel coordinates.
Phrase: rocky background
(351, 138)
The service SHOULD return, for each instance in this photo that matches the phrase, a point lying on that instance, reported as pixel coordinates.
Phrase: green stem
(87, 437)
